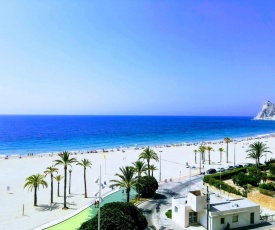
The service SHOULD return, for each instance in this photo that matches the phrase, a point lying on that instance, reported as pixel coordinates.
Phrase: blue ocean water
(43, 134)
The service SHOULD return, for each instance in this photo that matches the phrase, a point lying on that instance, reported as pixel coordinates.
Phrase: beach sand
(14, 171)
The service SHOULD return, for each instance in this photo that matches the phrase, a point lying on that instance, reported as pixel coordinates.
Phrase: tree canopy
(117, 216)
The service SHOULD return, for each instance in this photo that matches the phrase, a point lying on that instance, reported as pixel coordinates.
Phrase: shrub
(270, 177)
(216, 183)
(272, 169)
(270, 161)
(257, 174)
(148, 186)
(242, 179)
(117, 216)
(268, 186)
(169, 214)
(229, 174)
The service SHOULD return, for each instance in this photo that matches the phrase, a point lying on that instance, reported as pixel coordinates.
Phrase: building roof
(221, 204)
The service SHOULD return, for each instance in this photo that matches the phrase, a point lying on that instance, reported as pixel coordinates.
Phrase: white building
(192, 209)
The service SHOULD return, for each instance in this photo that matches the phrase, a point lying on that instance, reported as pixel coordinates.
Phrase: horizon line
(128, 115)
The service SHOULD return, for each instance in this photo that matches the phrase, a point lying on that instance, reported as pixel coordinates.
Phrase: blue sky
(136, 57)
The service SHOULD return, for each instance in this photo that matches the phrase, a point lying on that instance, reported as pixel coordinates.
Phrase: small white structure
(192, 209)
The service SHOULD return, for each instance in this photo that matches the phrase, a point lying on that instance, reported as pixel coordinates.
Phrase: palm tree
(70, 179)
(209, 149)
(139, 168)
(221, 150)
(126, 181)
(148, 154)
(50, 170)
(195, 151)
(58, 178)
(152, 169)
(256, 151)
(33, 182)
(85, 163)
(227, 141)
(201, 151)
(66, 161)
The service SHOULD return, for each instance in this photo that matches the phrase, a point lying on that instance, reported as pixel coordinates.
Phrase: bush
(229, 174)
(117, 216)
(270, 161)
(169, 214)
(216, 183)
(148, 186)
(257, 174)
(270, 177)
(268, 186)
(271, 168)
(242, 179)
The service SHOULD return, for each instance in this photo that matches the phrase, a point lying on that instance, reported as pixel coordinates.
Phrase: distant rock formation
(267, 113)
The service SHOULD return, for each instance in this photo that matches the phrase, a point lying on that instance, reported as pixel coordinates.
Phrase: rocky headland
(267, 112)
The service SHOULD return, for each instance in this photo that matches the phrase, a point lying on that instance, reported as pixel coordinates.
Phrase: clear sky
(136, 57)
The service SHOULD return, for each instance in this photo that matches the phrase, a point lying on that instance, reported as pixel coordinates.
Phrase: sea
(24, 134)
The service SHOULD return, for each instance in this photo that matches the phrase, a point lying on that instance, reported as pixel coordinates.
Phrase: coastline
(124, 147)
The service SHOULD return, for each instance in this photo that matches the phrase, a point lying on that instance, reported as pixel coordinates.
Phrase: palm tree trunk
(51, 188)
(70, 183)
(85, 182)
(128, 194)
(148, 162)
(35, 196)
(209, 156)
(200, 163)
(195, 158)
(221, 157)
(58, 189)
(226, 152)
(65, 185)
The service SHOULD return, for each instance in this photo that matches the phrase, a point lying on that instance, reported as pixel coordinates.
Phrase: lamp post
(99, 197)
(200, 163)
(188, 166)
(160, 166)
(235, 153)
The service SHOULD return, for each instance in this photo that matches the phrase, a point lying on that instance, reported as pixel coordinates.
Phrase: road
(163, 200)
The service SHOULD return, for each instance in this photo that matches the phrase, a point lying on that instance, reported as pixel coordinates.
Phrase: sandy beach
(14, 171)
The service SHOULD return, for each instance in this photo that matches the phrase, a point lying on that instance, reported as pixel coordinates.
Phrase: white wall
(243, 219)
(182, 216)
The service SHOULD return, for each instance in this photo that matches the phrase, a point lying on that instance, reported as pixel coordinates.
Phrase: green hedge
(242, 179)
(214, 180)
(216, 183)
(268, 186)
(229, 174)
(266, 192)
(270, 177)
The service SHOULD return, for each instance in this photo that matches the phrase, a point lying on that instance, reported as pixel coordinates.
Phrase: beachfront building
(233, 213)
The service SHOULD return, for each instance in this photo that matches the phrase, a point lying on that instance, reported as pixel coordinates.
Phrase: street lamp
(188, 166)
(160, 166)
(234, 152)
(99, 196)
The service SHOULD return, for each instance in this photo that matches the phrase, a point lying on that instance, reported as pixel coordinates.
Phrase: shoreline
(138, 146)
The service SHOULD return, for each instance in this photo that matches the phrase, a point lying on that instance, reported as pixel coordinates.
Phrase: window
(176, 209)
(222, 220)
(252, 218)
(234, 219)
(192, 217)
